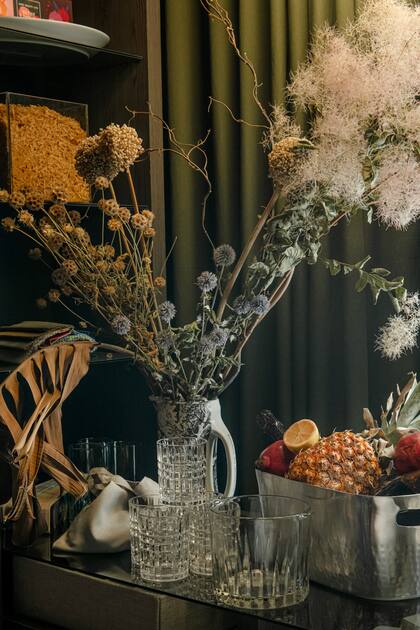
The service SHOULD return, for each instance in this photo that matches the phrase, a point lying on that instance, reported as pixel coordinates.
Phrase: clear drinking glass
(201, 562)
(182, 469)
(90, 453)
(123, 460)
(260, 550)
(159, 539)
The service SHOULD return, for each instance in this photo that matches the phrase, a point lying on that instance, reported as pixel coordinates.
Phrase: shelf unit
(127, 74)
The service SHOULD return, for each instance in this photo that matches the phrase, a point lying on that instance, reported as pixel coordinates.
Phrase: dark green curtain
(314, 356)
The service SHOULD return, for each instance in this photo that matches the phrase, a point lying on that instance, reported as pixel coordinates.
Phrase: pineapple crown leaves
(376, 279)
(399, 418)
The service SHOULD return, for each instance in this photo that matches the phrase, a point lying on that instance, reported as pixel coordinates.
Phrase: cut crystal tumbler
(159, 540)
(260, 550)
(182, 469)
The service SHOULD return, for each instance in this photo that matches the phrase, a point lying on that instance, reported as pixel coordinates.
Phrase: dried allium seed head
(55, 242)
(139, 221)
(4, 196)
(59, 195)
(35, 254)
(67, 290)
(54, 295)
(17, 200)
(26, 218)
(34, 201)
(82, 236)
(101, 183)
(124, 214)
(109, 251)
(42, 303)
(150, 232)
(207, 281)
(58, 212)
(149, 215)
(119, 264)
(8, 224)
(110, 207)
(60, 277)
(102, 266)
(167, 311)
(114, 225)
(260, 304)
(70, 266)
(75, 217)
(160, 282)
(68, 228)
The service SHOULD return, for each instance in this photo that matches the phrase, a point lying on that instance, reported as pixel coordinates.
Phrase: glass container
(182, 469)
(260, 550)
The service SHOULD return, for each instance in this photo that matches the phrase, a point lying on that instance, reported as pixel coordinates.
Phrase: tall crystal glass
(90, 453)
(201, 562)
(182, 469)
(159, 539)
(260, 550)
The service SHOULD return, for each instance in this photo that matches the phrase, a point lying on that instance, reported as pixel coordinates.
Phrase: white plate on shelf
(63, 31)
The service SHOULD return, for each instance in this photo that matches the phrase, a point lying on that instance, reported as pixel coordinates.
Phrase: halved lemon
(301, 435)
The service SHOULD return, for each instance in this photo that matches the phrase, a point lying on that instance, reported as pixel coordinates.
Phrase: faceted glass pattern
(260, 550)
(182, 469)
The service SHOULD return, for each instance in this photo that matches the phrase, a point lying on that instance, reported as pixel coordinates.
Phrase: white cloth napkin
(103, 525)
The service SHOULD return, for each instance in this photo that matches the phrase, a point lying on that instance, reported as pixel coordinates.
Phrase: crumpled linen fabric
(103, 525)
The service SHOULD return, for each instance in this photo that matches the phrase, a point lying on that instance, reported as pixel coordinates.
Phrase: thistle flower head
(8, 224)
(260, 305)
(241, 305)
(114, 225)
(26, 218)
(224, 256)
(121, 325)
(219, 336)
(60, 277)
(167, 311)
(54, 295)
(207, 345)
(165, 341)
(207, 281)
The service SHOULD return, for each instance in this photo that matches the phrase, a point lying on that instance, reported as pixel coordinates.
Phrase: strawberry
(275, 459)
(407, 453)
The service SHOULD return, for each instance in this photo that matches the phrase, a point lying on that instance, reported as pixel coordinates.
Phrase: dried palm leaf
(49, 376)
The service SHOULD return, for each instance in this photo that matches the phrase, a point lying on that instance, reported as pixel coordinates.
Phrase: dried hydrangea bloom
(26, 218)
(35, 254)
(75, 217)
(285, 158)
(17, 200)
(8, 224)
(4, 196)
(114, 225)
(70, 266)
(113, 150)
(224, 256)
(54, 295)
(207, 281)
(121, 325)
(41, 303)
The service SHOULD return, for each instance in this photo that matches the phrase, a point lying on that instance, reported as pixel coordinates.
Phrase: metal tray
(366, 546)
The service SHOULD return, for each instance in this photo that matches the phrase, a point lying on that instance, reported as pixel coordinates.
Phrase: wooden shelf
(29, 50)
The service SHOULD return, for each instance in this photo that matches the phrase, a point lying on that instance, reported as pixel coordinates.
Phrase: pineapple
(343, 461)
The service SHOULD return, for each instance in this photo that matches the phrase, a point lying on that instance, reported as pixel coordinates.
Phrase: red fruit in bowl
(275, 459)
(407, 453)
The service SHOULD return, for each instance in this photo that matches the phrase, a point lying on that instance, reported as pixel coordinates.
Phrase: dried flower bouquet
(360, 154)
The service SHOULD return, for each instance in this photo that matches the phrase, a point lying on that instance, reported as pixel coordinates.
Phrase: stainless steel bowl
(366, 546)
